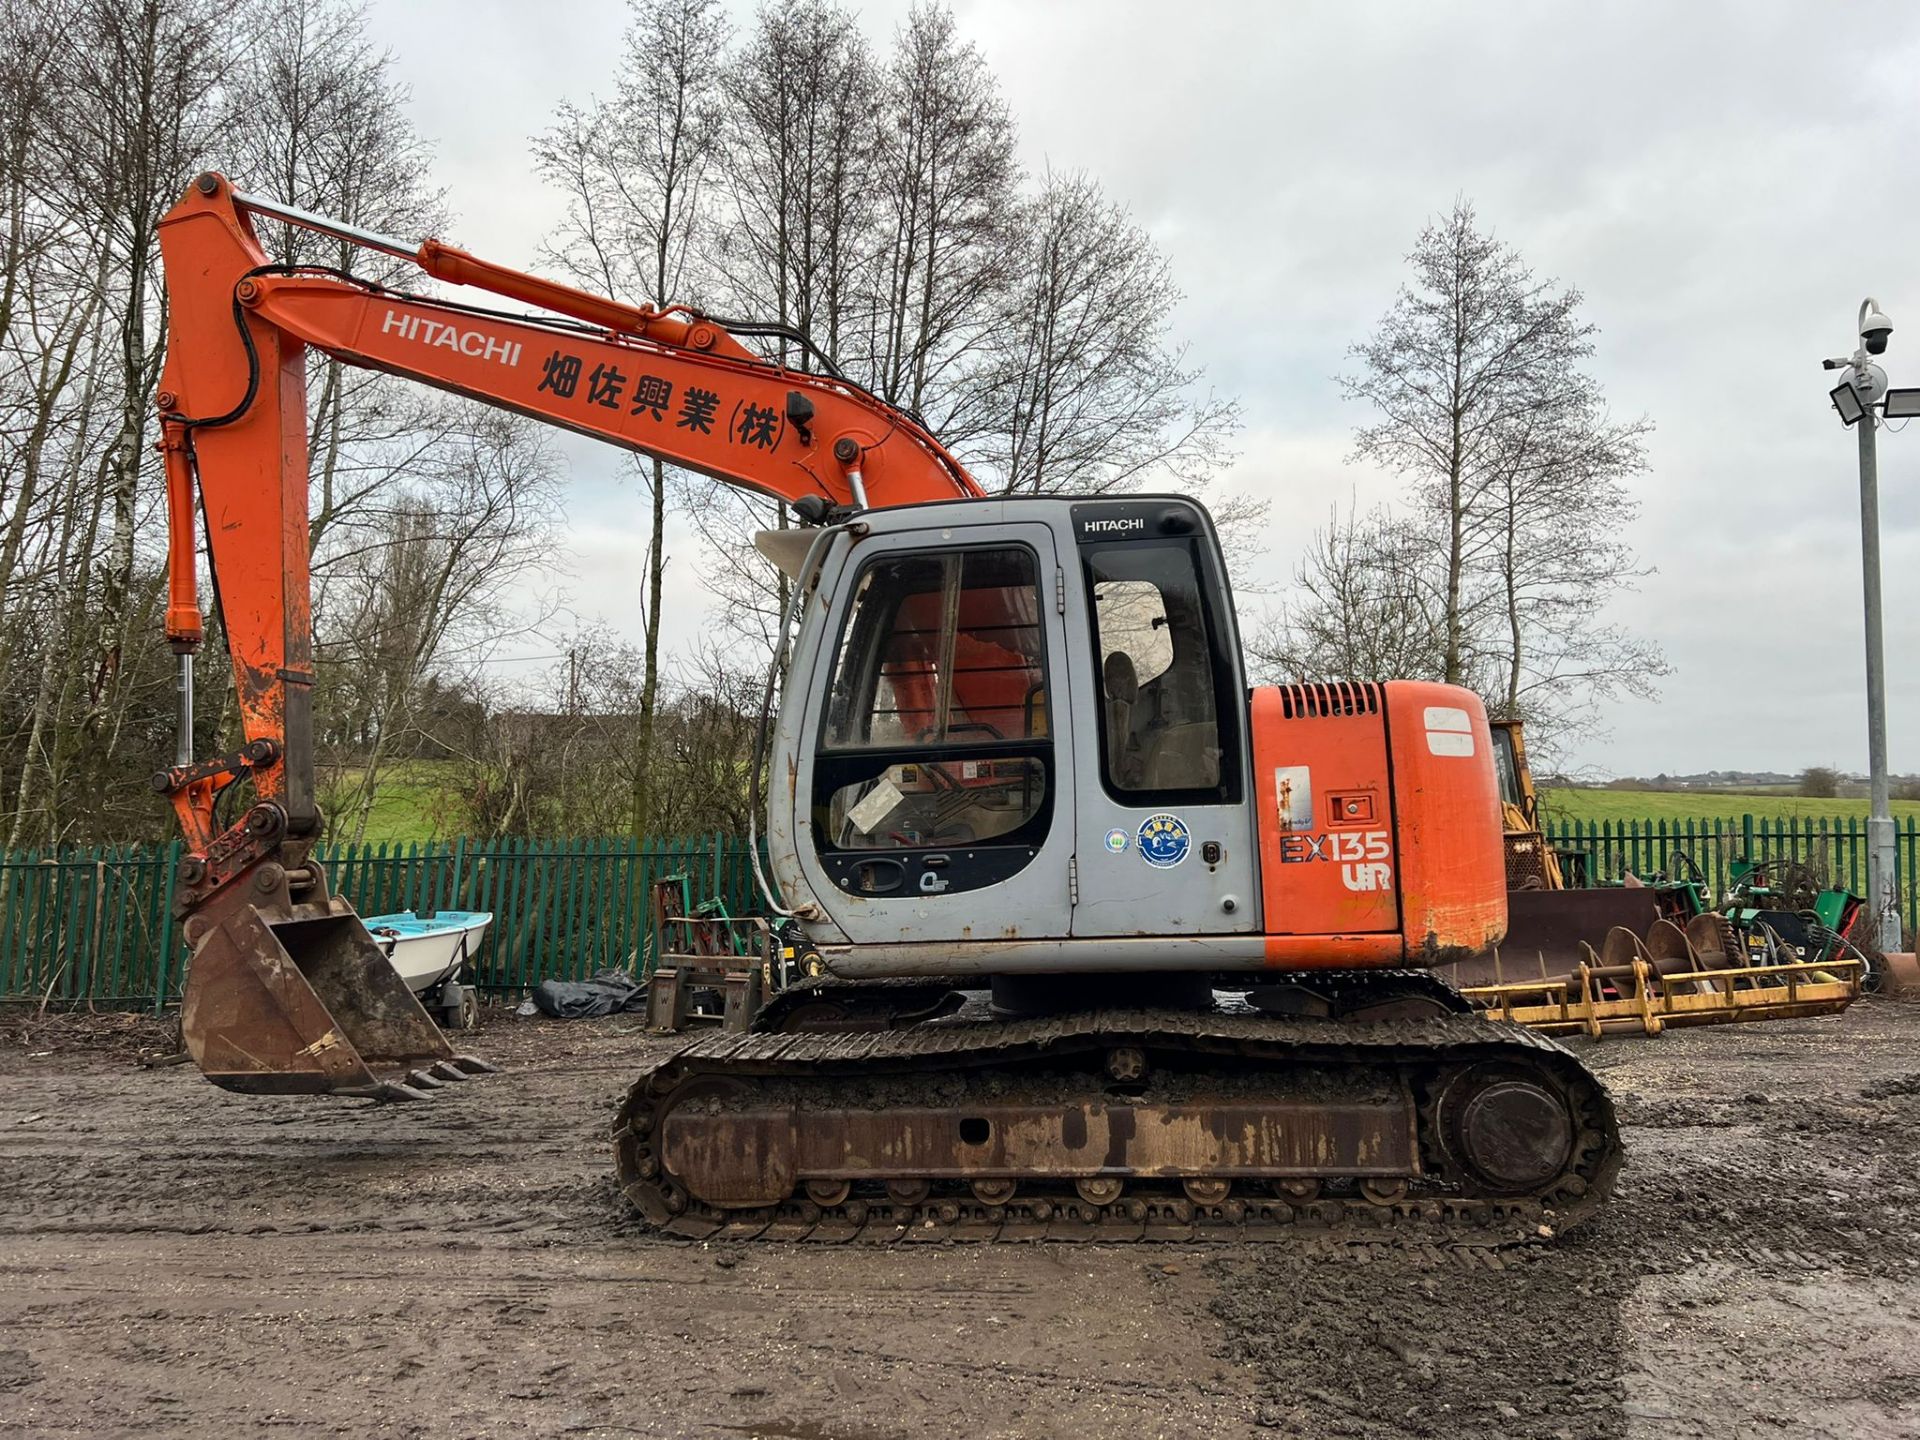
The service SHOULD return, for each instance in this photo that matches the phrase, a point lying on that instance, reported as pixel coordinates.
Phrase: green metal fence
(94, 925)
(1836, 849)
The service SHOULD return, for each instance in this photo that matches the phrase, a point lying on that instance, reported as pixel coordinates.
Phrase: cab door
(1167, 832)
(937, 804)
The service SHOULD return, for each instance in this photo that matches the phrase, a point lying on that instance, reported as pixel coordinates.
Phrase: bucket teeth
(424, 1080)
(474, 1065)
(446, 1070)
(398, 1090)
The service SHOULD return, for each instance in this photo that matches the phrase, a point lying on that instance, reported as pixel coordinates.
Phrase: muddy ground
(179, 1261)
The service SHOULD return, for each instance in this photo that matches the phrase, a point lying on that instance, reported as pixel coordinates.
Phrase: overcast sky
(1724, 182)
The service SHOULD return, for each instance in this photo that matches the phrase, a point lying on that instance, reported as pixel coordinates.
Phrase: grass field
(415, 800)
(1582, 804)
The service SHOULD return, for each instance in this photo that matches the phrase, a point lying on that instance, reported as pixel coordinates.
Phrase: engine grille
(1343, 697)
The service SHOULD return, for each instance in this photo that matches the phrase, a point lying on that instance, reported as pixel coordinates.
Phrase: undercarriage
(1415, 1123)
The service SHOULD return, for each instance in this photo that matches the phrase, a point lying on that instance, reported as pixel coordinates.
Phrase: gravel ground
(179, 1261)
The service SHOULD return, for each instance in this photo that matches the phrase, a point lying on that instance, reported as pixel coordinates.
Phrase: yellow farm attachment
(1697, 975)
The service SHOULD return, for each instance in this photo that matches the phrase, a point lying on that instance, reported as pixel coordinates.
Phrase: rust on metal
(1699, 975)
(1247, 1126)
(295, 998)
(754, 1155)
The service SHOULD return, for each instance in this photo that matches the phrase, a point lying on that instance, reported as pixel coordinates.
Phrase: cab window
(942, 658)
(1505, 767)
(1160, 675)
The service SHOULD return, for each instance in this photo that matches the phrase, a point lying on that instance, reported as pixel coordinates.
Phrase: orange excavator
(1111, 945)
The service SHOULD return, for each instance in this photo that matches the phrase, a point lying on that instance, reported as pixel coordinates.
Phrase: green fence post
(163, 979)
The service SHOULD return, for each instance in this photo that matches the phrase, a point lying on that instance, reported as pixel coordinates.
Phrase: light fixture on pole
(1901, 405)
(1854, 400)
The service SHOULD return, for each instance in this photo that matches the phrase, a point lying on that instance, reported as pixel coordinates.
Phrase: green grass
(414, 800)
(1583, 804)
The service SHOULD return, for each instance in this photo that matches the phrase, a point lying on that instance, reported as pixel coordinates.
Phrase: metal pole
(1883, 910)
(183, 689)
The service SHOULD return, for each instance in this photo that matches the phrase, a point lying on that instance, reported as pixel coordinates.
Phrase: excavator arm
(286, 990)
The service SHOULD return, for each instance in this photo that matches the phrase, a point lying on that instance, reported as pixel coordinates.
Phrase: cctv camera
(1874, 330)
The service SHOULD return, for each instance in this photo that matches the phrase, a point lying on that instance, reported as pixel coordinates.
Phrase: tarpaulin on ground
(607, 992)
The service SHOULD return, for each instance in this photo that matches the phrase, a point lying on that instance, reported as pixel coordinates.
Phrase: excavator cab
(1017, 723)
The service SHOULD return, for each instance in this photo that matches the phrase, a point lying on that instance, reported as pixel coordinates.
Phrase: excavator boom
(286, 990)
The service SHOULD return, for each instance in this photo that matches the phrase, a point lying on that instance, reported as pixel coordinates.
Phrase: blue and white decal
(1164, 841)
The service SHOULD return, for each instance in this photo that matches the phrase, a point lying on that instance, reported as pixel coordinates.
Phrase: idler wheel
(1513, 1132)
(994, 1192)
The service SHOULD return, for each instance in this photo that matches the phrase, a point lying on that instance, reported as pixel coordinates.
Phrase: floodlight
(1846, 400)
(1903, 404)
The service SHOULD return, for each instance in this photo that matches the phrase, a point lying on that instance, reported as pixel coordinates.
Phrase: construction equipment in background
(1016, 761)
(710, 967)
(1655, 952)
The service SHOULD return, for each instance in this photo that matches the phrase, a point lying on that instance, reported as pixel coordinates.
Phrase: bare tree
(1516, 470)
(633, 170)
(1092, 397)
(946, 239)
(793, 241)
(557, 762)
(107, 107)
(315, 117)
(143, 79)
(1368, 604)
(427, 593)
(800, 175)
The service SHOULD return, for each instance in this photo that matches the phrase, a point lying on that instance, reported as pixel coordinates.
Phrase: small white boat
(428, 953)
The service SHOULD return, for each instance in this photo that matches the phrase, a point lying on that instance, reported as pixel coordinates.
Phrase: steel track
(1442, 1209)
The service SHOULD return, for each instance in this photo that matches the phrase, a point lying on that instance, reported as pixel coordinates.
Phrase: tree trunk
(650, 671)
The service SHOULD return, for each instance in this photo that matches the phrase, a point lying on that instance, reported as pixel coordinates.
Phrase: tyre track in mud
(465, 1266)
(1757, 1273)
(178, 1261)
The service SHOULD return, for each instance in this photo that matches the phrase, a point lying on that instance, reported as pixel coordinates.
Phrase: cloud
(1724, 181)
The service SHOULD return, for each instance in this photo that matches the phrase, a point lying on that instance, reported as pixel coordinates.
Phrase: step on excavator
(1112, 945)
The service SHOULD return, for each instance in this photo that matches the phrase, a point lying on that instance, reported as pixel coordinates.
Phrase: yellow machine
(1664, 957)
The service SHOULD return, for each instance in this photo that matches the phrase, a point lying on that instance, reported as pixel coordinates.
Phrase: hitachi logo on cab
(476, 343)
(1112, 527)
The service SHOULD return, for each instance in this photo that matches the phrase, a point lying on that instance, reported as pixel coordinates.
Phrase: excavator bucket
(303, 1002)
(1551, 926)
